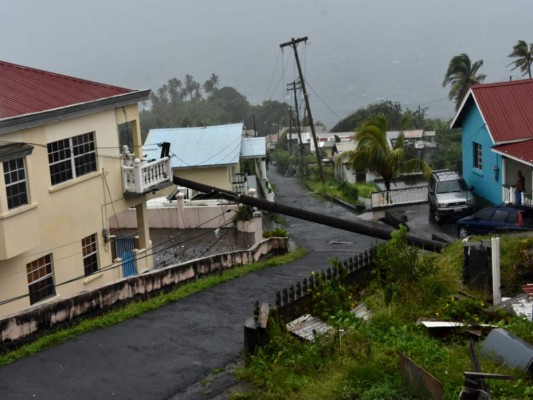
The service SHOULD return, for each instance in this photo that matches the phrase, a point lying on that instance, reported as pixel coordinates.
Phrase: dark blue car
(496, 219)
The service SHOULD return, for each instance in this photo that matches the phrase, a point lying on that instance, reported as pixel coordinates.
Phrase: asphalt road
(170, 352)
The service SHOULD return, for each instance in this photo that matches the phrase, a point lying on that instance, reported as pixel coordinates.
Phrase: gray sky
(359, 51)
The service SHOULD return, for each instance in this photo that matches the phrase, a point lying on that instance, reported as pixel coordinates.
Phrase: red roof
(507, 109)
(25, 90)
(520, 151)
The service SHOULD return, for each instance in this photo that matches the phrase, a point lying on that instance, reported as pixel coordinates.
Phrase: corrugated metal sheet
(197, 147)
(25, 90)
(254, 147)
(520, 151)
(506, 107)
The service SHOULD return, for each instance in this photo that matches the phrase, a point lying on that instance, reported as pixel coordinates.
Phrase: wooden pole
(293, 44)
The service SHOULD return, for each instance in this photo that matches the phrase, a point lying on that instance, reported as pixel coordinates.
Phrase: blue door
(123, 248)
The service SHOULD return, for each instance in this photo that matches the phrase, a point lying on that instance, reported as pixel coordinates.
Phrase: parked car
(496, 219)
(449, 195)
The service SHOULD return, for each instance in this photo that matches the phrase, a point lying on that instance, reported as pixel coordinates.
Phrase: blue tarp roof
(197, 147)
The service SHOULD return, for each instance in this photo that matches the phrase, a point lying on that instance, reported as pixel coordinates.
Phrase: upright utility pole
(298, 129)
(290, 130)
(293, 44)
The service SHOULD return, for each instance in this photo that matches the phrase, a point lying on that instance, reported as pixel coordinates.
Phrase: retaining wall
(47, 316)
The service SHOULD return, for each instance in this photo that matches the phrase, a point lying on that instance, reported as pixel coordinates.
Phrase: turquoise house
(497, 139)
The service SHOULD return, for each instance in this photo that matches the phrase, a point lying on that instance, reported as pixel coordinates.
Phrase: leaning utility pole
(298, 129)
(293, 44)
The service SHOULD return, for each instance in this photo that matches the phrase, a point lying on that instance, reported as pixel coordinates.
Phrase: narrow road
(167, 353)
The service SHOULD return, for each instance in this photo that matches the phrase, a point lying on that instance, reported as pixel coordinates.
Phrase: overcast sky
(359, 51)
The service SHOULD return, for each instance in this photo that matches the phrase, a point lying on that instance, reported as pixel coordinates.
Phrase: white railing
(412, 195)
(509, 196)
(140, 177)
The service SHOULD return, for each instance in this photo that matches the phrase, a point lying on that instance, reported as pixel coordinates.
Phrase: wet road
(168, 352)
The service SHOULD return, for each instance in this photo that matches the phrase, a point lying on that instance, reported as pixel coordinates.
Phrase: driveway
(167, 353)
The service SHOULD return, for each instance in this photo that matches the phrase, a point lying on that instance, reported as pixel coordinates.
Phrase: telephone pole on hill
(293, 43)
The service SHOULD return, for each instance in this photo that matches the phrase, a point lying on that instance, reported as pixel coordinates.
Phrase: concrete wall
(180, 214)
(43, 317)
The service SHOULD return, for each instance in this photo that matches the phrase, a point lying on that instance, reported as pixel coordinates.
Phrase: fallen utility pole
(367, 228)
(293, 44)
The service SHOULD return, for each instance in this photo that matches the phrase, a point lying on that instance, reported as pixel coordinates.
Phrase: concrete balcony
(19, 231)
(140, 177)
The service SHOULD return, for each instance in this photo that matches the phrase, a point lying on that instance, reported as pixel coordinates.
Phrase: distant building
(211, 154)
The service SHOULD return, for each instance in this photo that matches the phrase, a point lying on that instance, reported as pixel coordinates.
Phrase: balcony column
(142, 225)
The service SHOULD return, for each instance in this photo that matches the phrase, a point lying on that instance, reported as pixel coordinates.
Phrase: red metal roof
(520, 151)
(507, 109)
(25, 90)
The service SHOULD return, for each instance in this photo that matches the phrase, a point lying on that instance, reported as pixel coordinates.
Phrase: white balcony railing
(396, 197)
(139, 177)
(509, 196)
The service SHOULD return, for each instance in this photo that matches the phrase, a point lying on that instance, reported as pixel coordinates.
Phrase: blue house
(497, 139)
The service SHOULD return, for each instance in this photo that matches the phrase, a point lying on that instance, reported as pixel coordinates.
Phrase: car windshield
(452, 186)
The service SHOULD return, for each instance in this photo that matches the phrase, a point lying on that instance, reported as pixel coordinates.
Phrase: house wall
(220, 177)
(67, 212)
(487, 184)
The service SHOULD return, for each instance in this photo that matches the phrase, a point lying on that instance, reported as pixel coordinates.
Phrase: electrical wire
(146, 255)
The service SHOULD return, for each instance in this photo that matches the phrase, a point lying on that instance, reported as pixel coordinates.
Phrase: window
(72, 158)
(15, 180)
(125, 135)
(90, 254)
(40, 279)
(478, 156)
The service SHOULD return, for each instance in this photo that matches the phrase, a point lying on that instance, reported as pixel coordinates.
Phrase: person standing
(520, 188)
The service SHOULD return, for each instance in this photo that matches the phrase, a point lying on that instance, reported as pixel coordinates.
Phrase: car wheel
(463, 232)
(437, 217)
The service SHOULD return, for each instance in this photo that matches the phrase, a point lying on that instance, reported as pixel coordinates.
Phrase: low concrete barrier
(48, 316)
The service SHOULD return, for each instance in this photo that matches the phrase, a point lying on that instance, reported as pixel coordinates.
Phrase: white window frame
(89, 246)
(38, 272)
(478, 156)
(16, 178)
(68, 153)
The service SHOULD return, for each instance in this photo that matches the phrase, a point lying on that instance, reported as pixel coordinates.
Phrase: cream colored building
(65, 174)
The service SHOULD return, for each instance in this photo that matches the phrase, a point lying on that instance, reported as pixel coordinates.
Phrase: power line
(147, 254)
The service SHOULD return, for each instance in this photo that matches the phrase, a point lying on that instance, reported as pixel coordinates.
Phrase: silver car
(449, 195)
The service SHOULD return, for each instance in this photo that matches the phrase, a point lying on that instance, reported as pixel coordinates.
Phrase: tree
(391, 110)
(376, 154)
(461, 75)
(524, 57)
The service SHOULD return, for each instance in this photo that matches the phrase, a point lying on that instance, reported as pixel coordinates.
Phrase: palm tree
(524, 57)
(462, 74)
(375, 153)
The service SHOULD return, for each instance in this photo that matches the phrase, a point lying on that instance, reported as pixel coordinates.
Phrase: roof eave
(58, 114)
(458, 116)
(521, 161)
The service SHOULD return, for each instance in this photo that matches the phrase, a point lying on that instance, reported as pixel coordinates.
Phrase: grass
(348, 192)
(360, 359)
(136, 309)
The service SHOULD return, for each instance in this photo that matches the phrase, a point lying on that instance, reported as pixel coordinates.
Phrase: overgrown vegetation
(139, 308)
(360, 360)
